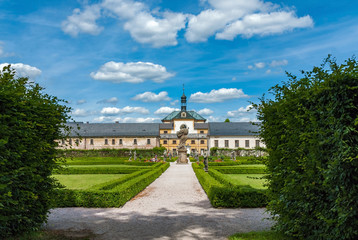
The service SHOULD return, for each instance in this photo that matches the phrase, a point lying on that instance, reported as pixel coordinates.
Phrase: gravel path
(173, 207)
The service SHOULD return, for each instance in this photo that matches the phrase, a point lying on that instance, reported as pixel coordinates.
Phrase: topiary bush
(30, 122)
(310, 129)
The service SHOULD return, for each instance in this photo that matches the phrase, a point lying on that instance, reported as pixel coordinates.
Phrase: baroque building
(202, 135)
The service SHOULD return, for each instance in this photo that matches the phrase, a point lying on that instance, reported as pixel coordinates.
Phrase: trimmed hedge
(115, 195)
(136, 163)
(224, 194)
(240, 170)
(123, 152)
(97, 170)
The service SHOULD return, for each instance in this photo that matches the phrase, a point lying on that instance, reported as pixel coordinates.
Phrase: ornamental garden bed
(233, 186)
(105, 184)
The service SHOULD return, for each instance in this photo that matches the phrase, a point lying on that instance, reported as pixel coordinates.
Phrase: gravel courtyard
(172, 207)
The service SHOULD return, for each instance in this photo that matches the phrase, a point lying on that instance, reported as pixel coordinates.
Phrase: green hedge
(97, 170)
(240, 170)
(223, 194)
(123, 152)
(136, 163)
(117, 194)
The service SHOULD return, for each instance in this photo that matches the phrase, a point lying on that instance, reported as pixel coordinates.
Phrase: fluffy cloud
(230, 18)
(83, 21)
(174, 102)
(220, 95)
(205, 112)
(126, 119)
(23, 70)
(165, 110)
(112, 100)
(81, 101)
(80, 113)
(132, 72)
(111, 111)
(152, 97)
(242, 111)
(278, 63)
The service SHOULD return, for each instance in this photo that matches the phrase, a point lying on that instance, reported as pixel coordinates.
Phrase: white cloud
(268, 71)
(112, 100)
(152, 97)
(241, 111)
(220, 95)
(81, 101)
(214, 119)
(260, 65)
(126, 119)
(278, 63)
(174, 102)
(126, 110)
(80, 113)
(205, 112)
(165, 110)
(132, 72)
(230, 18)
(23, 70)
(84, 21)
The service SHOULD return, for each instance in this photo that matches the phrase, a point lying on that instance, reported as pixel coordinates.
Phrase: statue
(182, 135)
(130, 155)
(170, 156)
(233, 155)
(165, 156)
(135, 155)
(197, 157)
(206, 165)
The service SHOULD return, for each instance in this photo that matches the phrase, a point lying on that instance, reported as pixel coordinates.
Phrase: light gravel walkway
(173, 207)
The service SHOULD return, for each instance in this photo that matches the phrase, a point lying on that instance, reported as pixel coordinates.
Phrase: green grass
(96, 159)
(248, 179)
(85, 181)
(267, 235)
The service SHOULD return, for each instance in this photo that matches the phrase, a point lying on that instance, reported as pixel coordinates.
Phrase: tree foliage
(227, 120)
(310, 129)
(30, 122)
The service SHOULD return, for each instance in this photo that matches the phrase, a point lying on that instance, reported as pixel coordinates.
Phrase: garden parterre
(102, 183)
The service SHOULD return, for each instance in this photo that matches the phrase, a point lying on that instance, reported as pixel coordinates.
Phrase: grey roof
(189, 115)
(232, 129)
(114, 129)
(201, 125)
(166, 126)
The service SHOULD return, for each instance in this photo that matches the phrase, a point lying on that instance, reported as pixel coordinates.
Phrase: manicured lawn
(97, 159)
(85, 181)
(269, 235)
(248, 179)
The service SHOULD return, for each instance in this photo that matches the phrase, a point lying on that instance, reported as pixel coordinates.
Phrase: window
(216, 143)
(236, 143)
(165, 142)
(192, 141)
(257, 143)
(120, 141)
(91, 141)
(148, 141)
(183, 114)
(113, 141)
(202, 141)
(226, 143)
(247, 143)
(165, 131)
(174, 150)
(201, 131)
(135, 141)
(174, 141)
(105, 141)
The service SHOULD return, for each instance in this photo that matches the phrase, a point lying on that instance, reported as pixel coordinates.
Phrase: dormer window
(183, 114)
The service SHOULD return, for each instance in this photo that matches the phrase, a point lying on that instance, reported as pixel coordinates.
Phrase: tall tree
(30, 123)
(310, 129)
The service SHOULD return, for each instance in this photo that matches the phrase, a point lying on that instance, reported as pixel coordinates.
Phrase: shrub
(30, 122)
(310, 129)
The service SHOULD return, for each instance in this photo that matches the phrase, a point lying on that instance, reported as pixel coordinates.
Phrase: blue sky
(126, 60)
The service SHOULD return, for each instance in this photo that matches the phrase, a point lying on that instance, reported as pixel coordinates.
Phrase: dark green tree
(227, 120)
(30, 122)
(310, 129)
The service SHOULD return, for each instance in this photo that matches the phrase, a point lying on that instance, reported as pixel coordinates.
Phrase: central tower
(183, 101)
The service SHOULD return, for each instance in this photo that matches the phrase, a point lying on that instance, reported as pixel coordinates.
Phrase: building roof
(114, 129)
(201, 125)
(166, 126)
(189, 115)
(232, 129)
